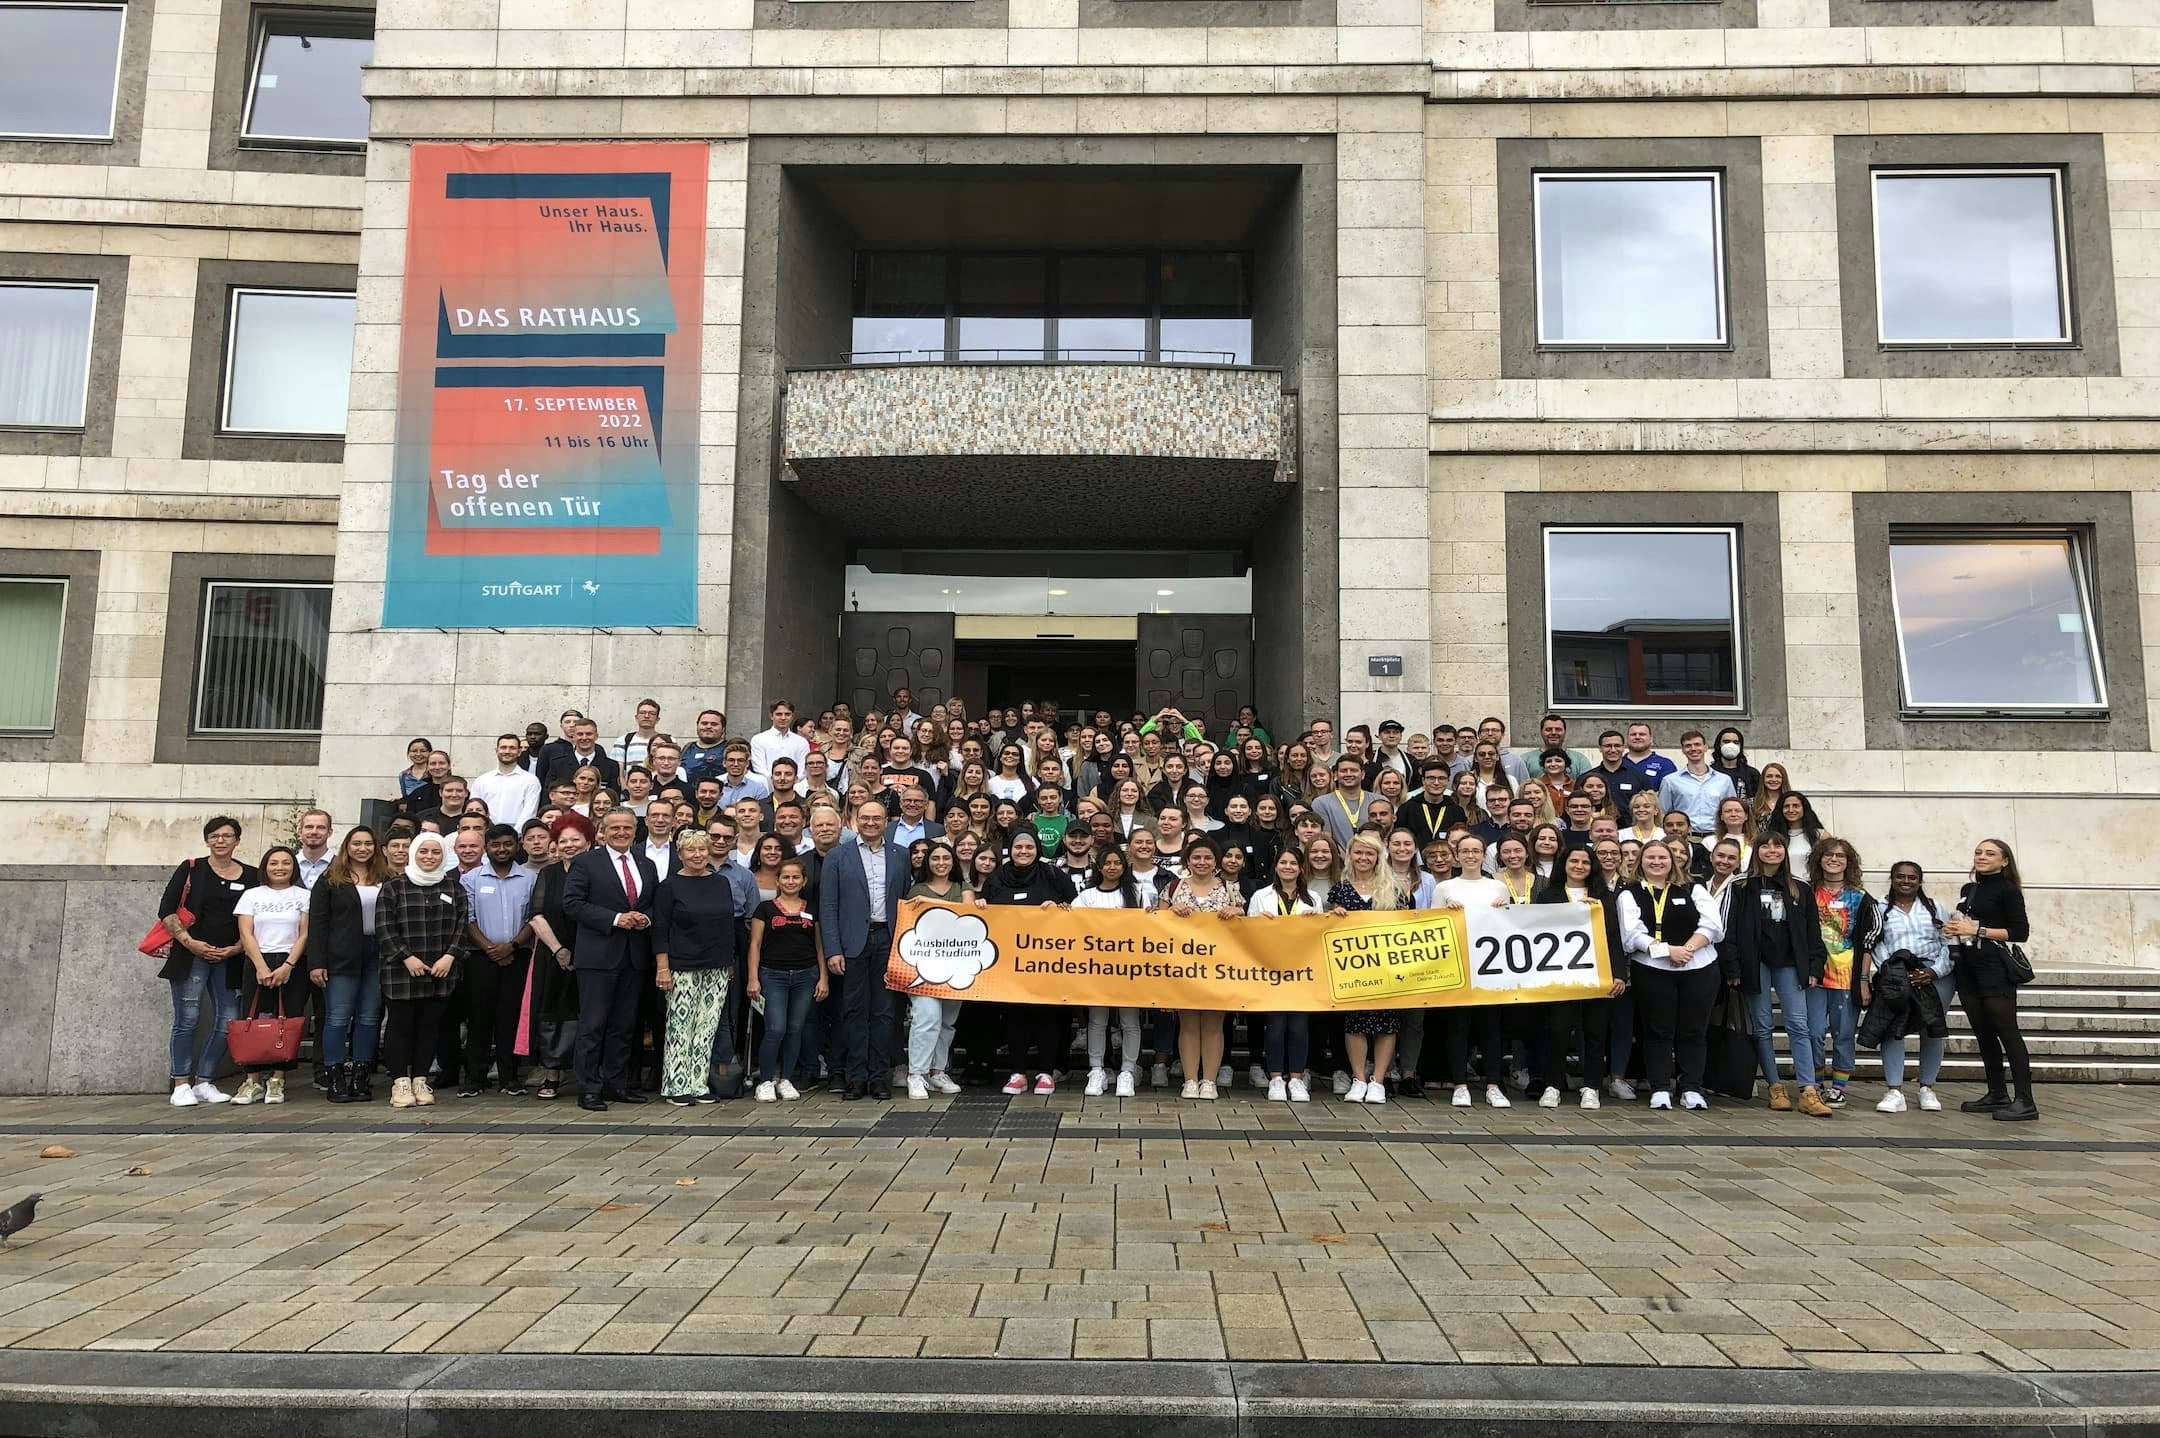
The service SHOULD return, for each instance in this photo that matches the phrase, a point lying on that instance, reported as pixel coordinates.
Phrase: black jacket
(335, 940)
(1609, 909)
(564, 765)
(1753, 939)
(1898, 1006)
(1037, 884)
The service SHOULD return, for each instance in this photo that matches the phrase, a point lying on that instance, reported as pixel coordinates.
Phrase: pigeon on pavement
(17, 1217)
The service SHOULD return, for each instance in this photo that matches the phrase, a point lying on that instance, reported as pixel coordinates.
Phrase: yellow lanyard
(1657, 909)
(1509, 884)
(1285, 906)
(1432, 821)
(1348, 812)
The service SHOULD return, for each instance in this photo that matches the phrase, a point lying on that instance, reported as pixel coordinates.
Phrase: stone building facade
(1387, 164)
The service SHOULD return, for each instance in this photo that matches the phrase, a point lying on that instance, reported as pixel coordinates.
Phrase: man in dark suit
(552, 749)
(859, 891)
(608, 894)
(584, 749)
(915, 821)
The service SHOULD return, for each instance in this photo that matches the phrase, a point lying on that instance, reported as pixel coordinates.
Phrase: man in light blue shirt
(491, 983)
(1697, 789)
(737, 782)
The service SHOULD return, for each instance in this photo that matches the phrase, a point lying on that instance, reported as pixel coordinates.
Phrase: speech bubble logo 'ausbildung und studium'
(948, 949)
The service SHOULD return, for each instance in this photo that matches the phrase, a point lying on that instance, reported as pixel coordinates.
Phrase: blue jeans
(352, 1013)
(203, 976)
(1783, 982)
(1833, 1010)
(1931, 1050)
(787, 1013)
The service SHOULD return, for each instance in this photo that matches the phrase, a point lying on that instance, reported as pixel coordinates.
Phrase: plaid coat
(425, 921)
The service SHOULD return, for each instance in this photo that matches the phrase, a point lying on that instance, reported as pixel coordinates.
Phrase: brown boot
(1811, 1103)
(1780, 1101)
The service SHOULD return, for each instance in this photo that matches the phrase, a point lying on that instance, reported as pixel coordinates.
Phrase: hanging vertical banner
(546, 462)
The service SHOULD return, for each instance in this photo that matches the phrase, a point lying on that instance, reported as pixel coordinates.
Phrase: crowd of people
(636, 916)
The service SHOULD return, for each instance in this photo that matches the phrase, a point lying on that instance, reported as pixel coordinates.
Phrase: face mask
(1730, 751)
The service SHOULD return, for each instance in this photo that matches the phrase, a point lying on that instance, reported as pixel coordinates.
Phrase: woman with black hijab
(1222, 781)
(1040, 1029)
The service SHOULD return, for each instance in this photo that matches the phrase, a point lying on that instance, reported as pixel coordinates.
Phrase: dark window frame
(2111, 591)
(178, 742)
(109, 273)
(1759, 622)
(124, 146)
(203, 436)
(80, 568)
(240, 30)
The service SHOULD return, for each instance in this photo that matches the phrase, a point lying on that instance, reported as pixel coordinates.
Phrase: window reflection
(1642, 617)
(1629, 259)
(59, 70)
(1998, 622)
(1970, 258)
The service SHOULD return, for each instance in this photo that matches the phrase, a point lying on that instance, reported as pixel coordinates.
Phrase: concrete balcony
(1071, 451)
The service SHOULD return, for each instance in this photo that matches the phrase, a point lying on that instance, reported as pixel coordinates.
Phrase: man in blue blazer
(860, 887)
(608, 894)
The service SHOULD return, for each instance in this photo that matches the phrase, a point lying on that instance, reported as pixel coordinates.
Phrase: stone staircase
(2082, 1026)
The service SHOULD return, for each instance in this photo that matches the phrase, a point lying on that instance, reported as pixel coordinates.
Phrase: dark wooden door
(883, 652)
(1201, 663)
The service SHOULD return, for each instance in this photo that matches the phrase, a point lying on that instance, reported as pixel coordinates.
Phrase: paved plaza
(1098, 1229)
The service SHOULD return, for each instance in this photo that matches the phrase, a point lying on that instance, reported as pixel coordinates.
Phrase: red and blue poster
(545, 473)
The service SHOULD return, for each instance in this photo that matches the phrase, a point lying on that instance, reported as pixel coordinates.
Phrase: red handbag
(255, 1041)
(158, 943)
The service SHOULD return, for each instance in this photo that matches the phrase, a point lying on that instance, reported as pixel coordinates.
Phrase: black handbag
(1729, 1061)
(2014, 962)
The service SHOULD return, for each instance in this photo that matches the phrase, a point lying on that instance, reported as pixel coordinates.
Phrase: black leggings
(1457, 1028)
(412, 1029)
(1675, 1006)
(1994, 1020)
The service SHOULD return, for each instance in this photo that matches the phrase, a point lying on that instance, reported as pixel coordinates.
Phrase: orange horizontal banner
(1419, 958)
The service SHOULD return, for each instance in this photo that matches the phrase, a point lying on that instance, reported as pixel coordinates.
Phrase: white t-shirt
(277, 914)
(1469, 893)
(367, 893)
(1003, 788)
(1098, 899)
(1268, 902)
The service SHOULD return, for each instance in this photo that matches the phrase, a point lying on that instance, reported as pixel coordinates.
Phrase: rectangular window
(1645, 617)
(288, 362)
(306, 85)
(59, 70)
(260, 668)
(1206, 308)
(1630, 260)
(1974, 257)
(45, 353)
(31, 612)
(900, 306)
(1995, 621)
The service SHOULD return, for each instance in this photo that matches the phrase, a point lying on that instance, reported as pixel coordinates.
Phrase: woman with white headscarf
(422, 923)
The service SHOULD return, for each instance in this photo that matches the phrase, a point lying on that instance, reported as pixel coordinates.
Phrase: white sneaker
(1223, 1076)
(787, 1090)
(1258, 1074)
(1159, 1076)
(1124, 1083)
(1096, 1083)
(1190, 1090)
(1589, 1096)
(1342, 1083)
(1278, 1091)
(210, 1093)
(1549, 1099)
(1692, 1099)
(1044, 1084)
(942, 1082)
(1623, 1090)
(1016, 1084)
(1496, 1099)
(1892, 1102)
(1357, 1091)
(423, 1092)
(184, 1097)
(1299, 1092)
(274, 1091)
(1462, 1095)
(1661, 1099)
(916, 1087)
(1207, 1090)
(1376, 1092)
(1928, 1102)
(250, 1092)
(765, 1093)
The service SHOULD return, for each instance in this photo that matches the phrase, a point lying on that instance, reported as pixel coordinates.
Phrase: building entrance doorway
(1000, 630)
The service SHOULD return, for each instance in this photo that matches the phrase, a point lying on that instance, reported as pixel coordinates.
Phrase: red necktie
(629, 884)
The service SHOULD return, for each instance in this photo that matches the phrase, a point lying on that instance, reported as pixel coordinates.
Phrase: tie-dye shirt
(1837, 908)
